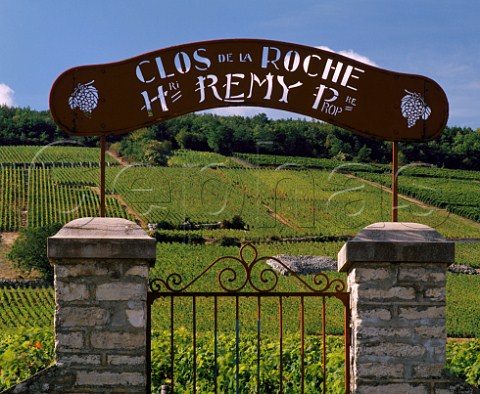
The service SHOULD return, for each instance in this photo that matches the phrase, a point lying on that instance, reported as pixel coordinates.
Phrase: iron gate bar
(258, 342)
(250, 295)
(194, 296)
(327, 288)
(237, 347)
(280, 332)
(348, 344)
(194, 308)
(302, 341)
(215, 346)
(172, 344)
(148, 343)
(324, 347)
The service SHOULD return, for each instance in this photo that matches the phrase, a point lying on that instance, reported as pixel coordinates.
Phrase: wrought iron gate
(231, 292)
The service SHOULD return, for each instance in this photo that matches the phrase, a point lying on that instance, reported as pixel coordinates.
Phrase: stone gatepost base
(101, 279)
(397, 279)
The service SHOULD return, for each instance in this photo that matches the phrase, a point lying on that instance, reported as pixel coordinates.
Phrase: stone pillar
(397, 280)
(101, 278)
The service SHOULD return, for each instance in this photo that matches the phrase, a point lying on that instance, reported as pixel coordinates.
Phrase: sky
(439, 39)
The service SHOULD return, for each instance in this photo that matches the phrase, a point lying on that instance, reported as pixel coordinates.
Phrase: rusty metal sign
(119, 97)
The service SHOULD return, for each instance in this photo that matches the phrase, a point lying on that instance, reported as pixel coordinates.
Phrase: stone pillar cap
(101, 238)
(396, 242)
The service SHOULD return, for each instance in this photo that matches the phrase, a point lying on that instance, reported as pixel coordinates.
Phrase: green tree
(157, 152)
(29, 251)
(220, 139)
(364, 154)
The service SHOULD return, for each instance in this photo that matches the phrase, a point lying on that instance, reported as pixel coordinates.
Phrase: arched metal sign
(127, 95)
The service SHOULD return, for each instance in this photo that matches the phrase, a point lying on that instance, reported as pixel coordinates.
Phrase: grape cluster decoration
(414, 108)
(84, 97)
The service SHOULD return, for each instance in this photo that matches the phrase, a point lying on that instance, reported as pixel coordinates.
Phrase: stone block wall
(397, 281)
(398, 323)
(101, 278)
(100, 322)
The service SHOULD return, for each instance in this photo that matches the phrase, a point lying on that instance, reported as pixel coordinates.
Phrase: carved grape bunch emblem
(84, 97)
(414, 107)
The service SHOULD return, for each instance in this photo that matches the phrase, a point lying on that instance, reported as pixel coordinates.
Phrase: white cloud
(352, 55)
(6, 95)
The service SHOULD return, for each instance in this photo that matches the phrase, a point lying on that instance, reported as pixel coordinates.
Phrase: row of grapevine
(28, 351)
(458, 196)
(12, 198)
(36, 155)
(188, 158)
(341, 205)
(422, 170)
(413, 169)
(276, 161)
(283, 203)
(50, 201)
(27, 307)
(191, 259)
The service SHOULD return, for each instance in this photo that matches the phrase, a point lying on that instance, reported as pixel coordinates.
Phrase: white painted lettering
(202, 87)
(202, 60)
(268, 80)
(244, 58)
(225, 57)
(182, 62)
(348, 74)
(286, 88)
(331, 109)
(173, 85)
(140, 74)
(306, 64)
(319, 95)
(148, 101)
(329, 67)
(266, 57)
(161, 69)
(291, 61)
(239, 98)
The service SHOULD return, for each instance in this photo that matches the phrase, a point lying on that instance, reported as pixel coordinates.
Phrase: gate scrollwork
(248, 272)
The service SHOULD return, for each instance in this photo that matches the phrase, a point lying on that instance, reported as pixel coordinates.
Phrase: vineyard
(457, 191)
(459, 196)
(286, 197)
(289, 205)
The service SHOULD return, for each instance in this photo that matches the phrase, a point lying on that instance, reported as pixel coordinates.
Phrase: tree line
(456, 147)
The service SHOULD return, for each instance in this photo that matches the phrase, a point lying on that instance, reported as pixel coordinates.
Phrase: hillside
(276, 197)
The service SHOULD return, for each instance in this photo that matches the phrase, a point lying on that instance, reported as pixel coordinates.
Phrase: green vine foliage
(463, 360)
(23, 353)
(247, 366)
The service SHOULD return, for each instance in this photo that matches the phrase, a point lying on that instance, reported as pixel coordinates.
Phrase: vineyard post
(102, 175)
(394, 181)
